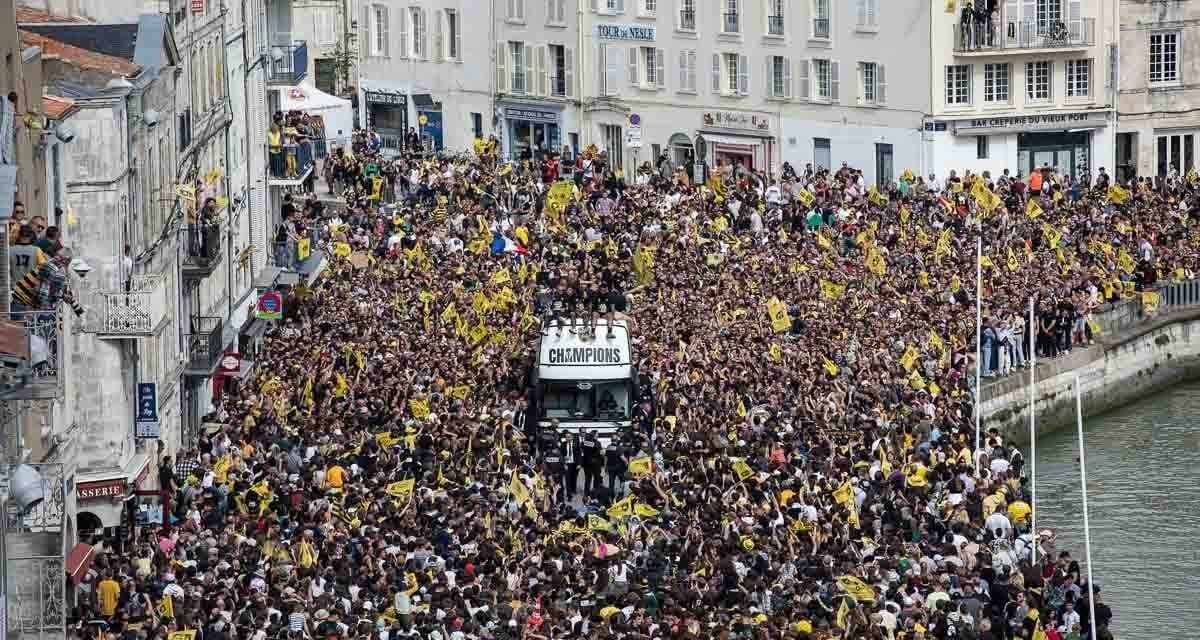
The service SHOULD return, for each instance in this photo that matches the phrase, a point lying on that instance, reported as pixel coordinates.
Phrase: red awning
(79, 561)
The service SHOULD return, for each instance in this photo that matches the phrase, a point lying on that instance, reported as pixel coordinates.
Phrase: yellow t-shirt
(1018, 511)
(916, 475)
(335, 477)
(108, 592)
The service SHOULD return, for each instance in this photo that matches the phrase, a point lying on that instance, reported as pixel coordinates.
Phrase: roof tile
(55, 107)
(82, 58)
(29, 15)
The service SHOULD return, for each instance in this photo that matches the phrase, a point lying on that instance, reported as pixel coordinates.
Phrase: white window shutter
(743, 75)
(835, 81)
(424, 42)
(633, 65)
(551, 5)
(569, 69)
(403, 40)
(683, 70)
(691, 64)
(660, 58)
(543, 61)
(787, 79)
(529, 52)
(769, 77)
(520, 9)
(872, 12)
(561, 14)
(458, 36)
(439, 46)
(716, 73)
(862, 11)
(502, 67)
(803, 79)
(620, 6)
(880, 84)
(595, 5)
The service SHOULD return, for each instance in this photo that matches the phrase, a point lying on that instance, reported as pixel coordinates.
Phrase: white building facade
(1159, 104)
(1029, 85)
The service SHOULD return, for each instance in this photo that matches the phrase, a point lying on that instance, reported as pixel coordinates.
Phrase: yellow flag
(1033, 209)
(823, 242)
(936, 340)
(621, 509)
(843, 494)
(339, 386)
(857, 588)
(875, 262)
(419, 408)
(1150, 301)
(342, 250)
(303, 248)
(1013, 264)
(830, 367)
(986, 262)
(1125, 262)
(460, 392)
(597, 523)
(778, 313)
(449, 314)
(742, 469)
(955, 284)
(1093, 324)
(308, 393)
(1117, 194)
(641, 466)
(776, 353)
(741, 408)
(909, 359)
(401, 489)
(166, 607)
(522, 235)
(842, 613)
(645, 510)
(805, 197)
(501, 276)
(187, 634)
(832, 290)
(518, 490)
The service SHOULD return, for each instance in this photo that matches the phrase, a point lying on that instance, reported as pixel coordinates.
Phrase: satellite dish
(27, 487)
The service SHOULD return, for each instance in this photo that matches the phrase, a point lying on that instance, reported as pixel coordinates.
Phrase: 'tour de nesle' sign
(625, 32)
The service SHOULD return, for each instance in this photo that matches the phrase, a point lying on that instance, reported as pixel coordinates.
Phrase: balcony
(202, 250)
(290, 164)
(289, 64)
(821, 28)
(205, 344)
(687, 20)
(135, 312)
(729, 23)
(775, 25)
(1024, 36)
(31, 352)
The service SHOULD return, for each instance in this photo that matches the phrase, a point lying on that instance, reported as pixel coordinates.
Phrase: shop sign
(737, 120)
(104, 489)
(1035, 121)
(633, 137)
(270, 306)
(231, 363)
(531, 115)
(147, 425)
(383, 97)
(625, 32)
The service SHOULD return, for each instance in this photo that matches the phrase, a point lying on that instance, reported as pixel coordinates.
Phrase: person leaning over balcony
(275, 148)
(24, 256)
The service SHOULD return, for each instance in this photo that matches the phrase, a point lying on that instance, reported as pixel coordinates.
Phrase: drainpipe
(580, 64)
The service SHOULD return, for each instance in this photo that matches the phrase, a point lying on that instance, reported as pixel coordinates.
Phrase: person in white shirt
(1070, 618)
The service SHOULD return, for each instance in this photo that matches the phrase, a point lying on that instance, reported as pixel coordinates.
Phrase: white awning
(745, 142)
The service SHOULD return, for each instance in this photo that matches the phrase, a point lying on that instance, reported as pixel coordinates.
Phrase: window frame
(686, 8)
(991, 86)
(776, 15)
(822, 10)
(1162, 64)
(819, 65)
(953, 88)
(731, 10)
(380, 19)
(518, 70)
(870, 86)
(1079, 74)
(729, 67)
(1039, 81)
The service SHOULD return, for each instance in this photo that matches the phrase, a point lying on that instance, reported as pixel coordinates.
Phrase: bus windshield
(575, 400)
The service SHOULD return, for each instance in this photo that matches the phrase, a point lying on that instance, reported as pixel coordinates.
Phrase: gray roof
(117, 40)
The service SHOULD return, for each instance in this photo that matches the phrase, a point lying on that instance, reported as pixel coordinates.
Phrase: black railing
(1027, 34)
(775, 25)
(203, 243)
(205, 343)
(290, 161)
(289, 63)
(687, 19)
(820, 27)
(730, 24)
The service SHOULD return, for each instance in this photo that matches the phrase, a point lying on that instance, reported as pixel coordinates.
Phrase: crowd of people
(801, 461)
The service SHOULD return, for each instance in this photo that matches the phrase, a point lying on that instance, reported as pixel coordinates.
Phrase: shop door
(883, 164)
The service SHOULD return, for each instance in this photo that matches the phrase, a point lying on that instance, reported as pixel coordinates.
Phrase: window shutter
(501, 67)
(529, 52)
(569, 70)
(612, 70)
(520, 9)
(683, 70)
(550, 8)
(769, 77)
(862, 12)
(691, 71)
(743, 75)
(716, 73)
(366, 33)
(660, 58)
(835, 81)
(595, 5)
(873, 12)
(403, 40)
(787, 79)
(424, 34)
(633, 66)
(458, 23)
(544, 72)
(880, 84)
(439, 47)
(561, 14)
(620, 6)
(803, 79)
(1011, 13)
